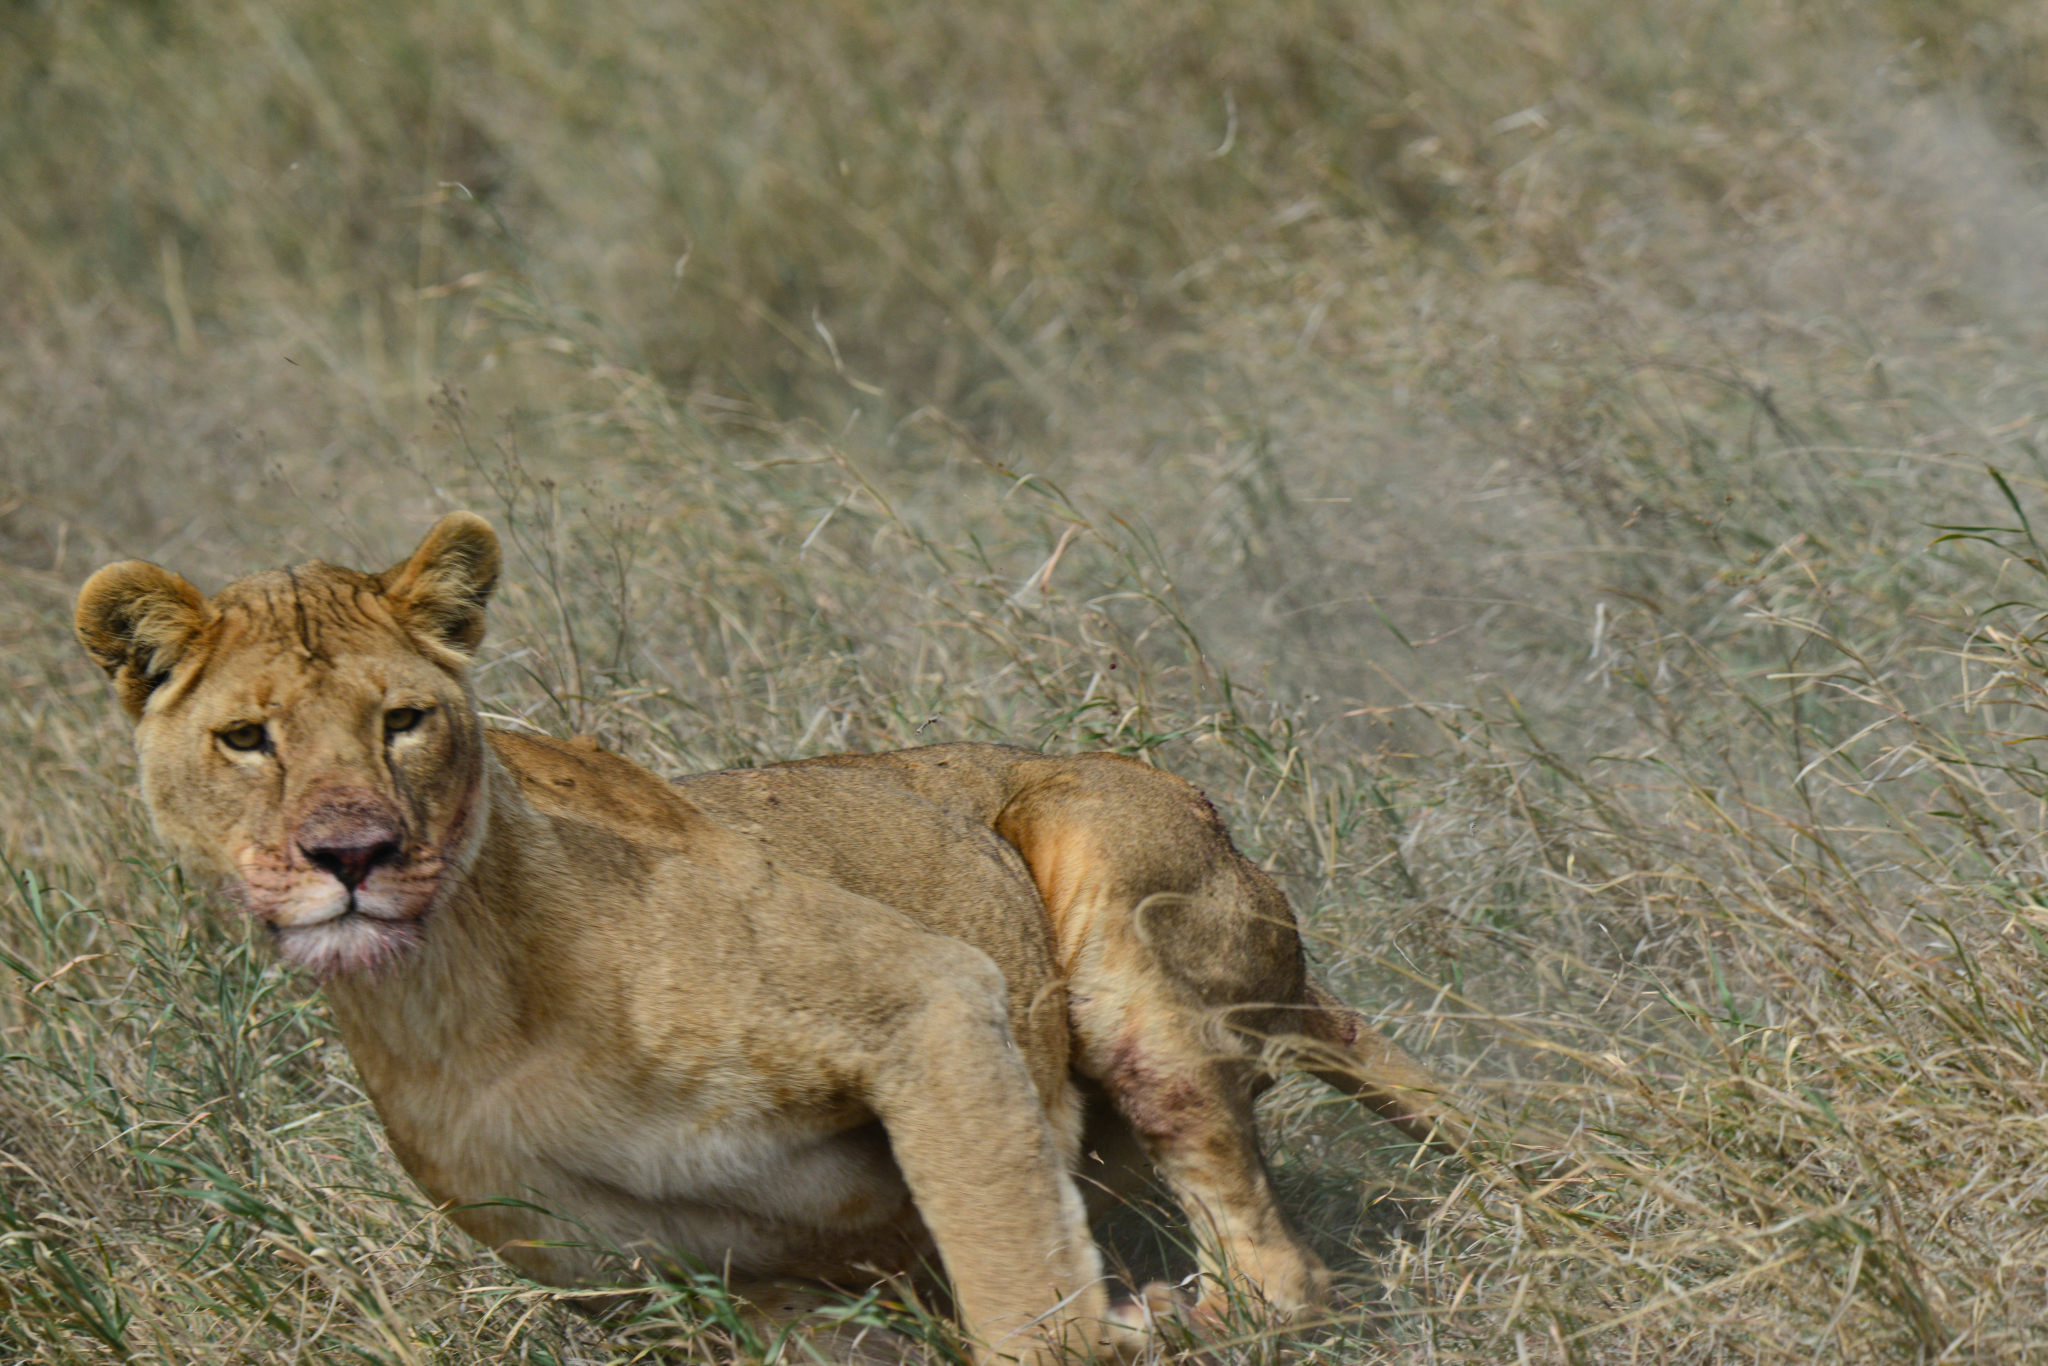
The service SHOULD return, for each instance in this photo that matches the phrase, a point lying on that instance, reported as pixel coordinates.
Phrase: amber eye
(243, 737)
(399, 720)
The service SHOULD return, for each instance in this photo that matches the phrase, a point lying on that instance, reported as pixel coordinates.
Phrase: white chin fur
(351, 943)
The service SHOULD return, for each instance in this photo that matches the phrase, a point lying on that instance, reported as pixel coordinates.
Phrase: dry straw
(1526, 461)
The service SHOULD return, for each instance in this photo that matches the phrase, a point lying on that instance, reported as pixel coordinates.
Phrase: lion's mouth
(347, 944)
(333, 928)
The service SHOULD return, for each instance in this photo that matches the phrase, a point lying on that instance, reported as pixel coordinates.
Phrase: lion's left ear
(440, 590)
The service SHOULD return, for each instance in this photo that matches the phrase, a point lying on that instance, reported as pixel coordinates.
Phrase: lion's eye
(243, 737)
(399, 720)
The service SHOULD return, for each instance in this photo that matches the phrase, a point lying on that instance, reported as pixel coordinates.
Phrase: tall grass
(1528, 462)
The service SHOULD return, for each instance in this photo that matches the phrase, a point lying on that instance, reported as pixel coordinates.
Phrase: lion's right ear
(137, 620)
(440, 590)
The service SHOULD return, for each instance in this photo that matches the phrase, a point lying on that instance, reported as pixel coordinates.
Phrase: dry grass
(1499, 449)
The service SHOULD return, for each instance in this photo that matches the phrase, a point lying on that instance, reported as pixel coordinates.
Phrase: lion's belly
(759, 1199)
(713, 1180)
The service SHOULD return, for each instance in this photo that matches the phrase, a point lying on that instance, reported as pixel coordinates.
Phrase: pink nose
(350, 838)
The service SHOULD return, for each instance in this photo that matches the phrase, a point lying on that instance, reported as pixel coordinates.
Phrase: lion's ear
(137, 620)
(441, 589)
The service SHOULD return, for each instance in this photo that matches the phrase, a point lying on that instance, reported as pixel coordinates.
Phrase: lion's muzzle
(345, 891)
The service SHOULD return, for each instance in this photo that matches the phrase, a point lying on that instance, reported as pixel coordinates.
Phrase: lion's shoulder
(581, 779)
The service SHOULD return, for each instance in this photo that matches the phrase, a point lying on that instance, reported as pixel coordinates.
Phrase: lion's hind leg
(1160, 946)
(1190, 1106)
(1188, 992)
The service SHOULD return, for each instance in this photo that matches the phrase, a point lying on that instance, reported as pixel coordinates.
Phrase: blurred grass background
(1501, 449)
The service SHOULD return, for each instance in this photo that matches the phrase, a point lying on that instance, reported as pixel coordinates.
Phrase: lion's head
(311, 733)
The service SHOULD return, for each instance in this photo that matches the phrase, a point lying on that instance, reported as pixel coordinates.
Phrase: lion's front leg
(989, 1178)
(920, 1023)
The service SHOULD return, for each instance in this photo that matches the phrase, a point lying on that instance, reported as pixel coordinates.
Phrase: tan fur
(833, 1019)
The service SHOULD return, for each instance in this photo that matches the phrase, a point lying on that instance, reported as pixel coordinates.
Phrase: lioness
(824, 1020)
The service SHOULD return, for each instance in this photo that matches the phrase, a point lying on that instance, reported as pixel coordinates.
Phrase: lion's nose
(350, 839)
(351, 863)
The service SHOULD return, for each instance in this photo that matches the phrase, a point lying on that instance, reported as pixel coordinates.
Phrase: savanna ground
(1503, 450)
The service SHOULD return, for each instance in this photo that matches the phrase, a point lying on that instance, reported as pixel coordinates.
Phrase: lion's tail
(1345, 1052)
